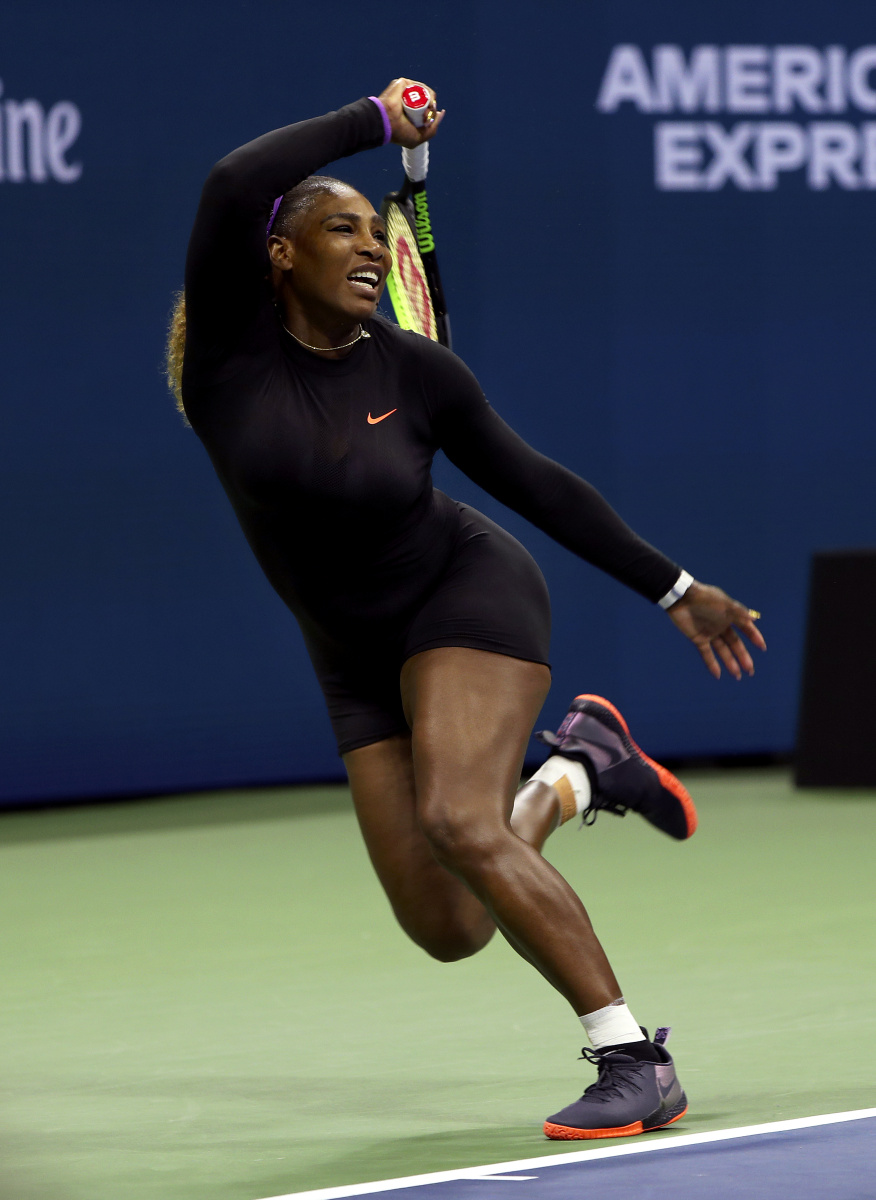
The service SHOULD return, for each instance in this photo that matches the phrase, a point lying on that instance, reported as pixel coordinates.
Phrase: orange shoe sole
(565, 1133)
(667, 780)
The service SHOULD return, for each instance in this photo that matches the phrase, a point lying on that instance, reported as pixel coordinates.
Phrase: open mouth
(365, 280)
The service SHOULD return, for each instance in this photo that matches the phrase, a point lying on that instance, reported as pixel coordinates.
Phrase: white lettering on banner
(781, 147)
(753, 155)
(798, 73)
(869, 155)
(34, 143)
(688, 88)
(755, 80)
(747, 79)
(835, 150)
(860, 89)
(678, 156)
(729, 155)
(626, 78)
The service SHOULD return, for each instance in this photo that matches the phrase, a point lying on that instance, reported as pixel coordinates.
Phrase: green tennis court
(207, 997)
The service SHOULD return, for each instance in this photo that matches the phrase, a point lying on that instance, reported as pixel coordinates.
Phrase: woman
(427, 624)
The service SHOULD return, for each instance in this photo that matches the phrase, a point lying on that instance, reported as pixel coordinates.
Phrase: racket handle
(416, 162)
(416, 103)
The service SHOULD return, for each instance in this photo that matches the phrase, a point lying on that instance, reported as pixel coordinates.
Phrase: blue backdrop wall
(657, 238)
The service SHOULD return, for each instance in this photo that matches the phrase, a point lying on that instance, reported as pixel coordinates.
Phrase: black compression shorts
(492, 596)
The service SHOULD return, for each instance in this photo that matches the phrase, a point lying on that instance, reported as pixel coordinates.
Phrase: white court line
(551, 1160)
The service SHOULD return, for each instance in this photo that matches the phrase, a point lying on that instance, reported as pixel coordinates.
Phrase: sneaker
(622, 777)
(629, 1097)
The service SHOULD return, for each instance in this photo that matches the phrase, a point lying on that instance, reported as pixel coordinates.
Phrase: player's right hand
(713, 621)
(404, 132)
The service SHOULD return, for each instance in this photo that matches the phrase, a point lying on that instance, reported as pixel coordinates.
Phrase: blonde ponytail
(175, 349)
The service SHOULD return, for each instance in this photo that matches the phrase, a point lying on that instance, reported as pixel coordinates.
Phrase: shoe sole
(667, 780)
(567, 1133)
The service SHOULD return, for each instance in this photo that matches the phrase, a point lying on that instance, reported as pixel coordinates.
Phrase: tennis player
(427, 624)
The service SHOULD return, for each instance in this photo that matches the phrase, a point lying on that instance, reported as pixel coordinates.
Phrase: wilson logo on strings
(424, 226)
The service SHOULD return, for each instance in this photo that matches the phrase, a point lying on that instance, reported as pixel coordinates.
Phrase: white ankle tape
(613, 1025)
(570, 781)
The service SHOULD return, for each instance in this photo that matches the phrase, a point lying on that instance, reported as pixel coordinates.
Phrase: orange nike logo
(377, 420)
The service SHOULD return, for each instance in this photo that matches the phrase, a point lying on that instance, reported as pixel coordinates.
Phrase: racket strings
(407, 284)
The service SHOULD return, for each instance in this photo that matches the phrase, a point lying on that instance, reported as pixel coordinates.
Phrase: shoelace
(611, 806)
(615, 1076)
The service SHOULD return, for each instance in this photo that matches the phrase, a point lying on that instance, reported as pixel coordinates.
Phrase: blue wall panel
(703, 356)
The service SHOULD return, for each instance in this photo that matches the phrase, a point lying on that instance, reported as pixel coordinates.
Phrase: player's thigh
(471, 713)
(433, 907)
(384, 796)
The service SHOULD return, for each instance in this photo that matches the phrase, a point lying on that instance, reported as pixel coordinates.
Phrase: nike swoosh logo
(665, 1092)
(377, 420)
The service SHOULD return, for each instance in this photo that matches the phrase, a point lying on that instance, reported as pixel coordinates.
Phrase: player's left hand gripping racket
(414, 284)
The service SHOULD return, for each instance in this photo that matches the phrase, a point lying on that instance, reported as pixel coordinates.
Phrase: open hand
(405, 132)
(713, 623)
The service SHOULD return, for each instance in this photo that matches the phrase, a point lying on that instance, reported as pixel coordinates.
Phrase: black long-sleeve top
(341, 512)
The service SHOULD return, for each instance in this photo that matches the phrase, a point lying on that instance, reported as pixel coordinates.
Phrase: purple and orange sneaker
(628, 1097)
(621, 777)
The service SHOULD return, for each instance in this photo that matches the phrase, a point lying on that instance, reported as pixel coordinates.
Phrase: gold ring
(754, 614)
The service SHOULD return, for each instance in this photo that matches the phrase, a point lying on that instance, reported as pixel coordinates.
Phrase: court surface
(833, 1155)
(206, 997)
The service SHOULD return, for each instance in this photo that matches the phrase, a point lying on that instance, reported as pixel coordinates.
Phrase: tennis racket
(414, 283)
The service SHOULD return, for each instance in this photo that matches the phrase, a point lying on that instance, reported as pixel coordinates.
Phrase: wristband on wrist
(677, 590)
(387, 128)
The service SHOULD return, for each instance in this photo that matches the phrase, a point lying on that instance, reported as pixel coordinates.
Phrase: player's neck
(326, 338)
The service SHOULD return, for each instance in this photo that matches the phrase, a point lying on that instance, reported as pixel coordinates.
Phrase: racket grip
(416, 162)
(416, 103)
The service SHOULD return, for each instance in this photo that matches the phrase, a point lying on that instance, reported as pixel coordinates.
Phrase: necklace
(325, 349)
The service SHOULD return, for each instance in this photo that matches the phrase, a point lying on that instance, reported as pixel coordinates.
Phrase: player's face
(340, 259)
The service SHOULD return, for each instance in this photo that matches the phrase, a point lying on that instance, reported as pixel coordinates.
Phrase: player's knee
(458, 841)
(451, 943)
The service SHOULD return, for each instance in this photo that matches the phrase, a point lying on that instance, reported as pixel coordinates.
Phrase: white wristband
(677, 591)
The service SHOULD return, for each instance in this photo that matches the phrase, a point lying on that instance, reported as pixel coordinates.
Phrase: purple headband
(277, 204)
